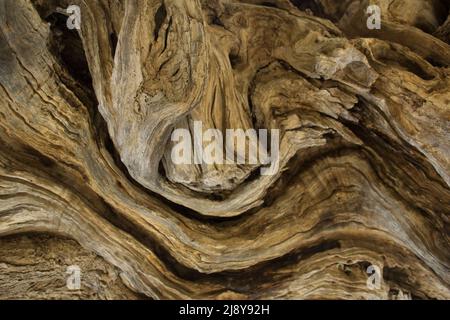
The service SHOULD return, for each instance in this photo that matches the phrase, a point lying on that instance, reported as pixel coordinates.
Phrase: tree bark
(86, 176)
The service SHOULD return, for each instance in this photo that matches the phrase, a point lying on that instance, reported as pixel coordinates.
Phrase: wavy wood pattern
(364, 168)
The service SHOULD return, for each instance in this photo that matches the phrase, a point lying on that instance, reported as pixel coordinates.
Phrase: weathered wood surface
(364, 179)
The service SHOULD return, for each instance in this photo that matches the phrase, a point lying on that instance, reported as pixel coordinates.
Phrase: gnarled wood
(364, 172)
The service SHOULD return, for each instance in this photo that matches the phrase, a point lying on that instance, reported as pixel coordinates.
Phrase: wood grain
(364, 117)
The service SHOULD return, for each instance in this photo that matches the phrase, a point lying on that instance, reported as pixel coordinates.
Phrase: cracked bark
(85, 124)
